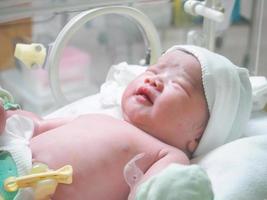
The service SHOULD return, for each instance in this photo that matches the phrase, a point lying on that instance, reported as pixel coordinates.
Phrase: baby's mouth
(145, 95)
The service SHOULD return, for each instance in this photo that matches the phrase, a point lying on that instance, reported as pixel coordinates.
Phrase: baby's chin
(129, 120)
(125, 117)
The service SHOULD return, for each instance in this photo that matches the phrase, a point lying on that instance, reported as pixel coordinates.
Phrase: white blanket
(238, 170)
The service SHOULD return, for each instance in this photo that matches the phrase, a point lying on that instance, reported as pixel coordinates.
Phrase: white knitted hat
(229, 97)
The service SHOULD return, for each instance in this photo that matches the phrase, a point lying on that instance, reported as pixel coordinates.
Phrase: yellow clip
(62, 175)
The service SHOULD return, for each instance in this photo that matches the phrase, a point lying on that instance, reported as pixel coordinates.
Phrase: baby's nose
(155, 82)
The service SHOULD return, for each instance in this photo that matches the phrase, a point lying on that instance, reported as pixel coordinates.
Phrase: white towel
(119, 76)
(228, 93)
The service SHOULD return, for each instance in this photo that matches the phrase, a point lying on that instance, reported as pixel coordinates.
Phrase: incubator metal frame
(17, 9)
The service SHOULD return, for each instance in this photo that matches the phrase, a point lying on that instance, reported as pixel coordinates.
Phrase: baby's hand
(35, 118)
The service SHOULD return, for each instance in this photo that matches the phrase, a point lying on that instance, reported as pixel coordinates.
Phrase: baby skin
(165, 114)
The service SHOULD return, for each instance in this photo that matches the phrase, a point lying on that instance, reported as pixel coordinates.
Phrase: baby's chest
(99, 157)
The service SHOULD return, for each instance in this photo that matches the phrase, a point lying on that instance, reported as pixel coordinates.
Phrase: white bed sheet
(86, 105)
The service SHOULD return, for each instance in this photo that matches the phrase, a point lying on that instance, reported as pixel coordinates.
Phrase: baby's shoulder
(174, 153)
(97, 118)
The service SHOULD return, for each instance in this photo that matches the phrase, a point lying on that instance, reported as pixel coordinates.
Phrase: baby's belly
(97, 154)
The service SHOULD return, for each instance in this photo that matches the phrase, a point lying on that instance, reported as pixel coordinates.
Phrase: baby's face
(167, 101)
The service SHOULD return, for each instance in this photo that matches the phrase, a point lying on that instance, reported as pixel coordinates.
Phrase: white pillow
(257, 124)
(259, 92)
(238, 170)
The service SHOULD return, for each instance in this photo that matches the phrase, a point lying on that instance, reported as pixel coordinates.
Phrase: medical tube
(77, 22)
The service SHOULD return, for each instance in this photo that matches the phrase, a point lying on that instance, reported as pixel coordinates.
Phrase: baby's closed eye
(178, 84)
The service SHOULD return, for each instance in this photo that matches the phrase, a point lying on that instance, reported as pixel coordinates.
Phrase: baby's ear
(192, 144)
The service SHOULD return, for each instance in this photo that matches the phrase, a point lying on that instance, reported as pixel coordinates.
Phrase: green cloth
(7, 168)
(177, 182)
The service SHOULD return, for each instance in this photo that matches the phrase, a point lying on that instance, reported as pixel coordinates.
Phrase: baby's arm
(165, 157)
(48, 124)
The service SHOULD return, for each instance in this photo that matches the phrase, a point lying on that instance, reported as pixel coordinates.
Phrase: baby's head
(191, 98)
(168, 102)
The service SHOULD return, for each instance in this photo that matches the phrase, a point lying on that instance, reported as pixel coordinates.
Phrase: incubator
(95, 40)
(113, 38)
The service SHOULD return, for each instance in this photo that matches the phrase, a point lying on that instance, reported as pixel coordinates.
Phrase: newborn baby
(166, 113)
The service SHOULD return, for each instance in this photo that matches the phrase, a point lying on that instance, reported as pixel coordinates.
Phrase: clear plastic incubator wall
(110, 39)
